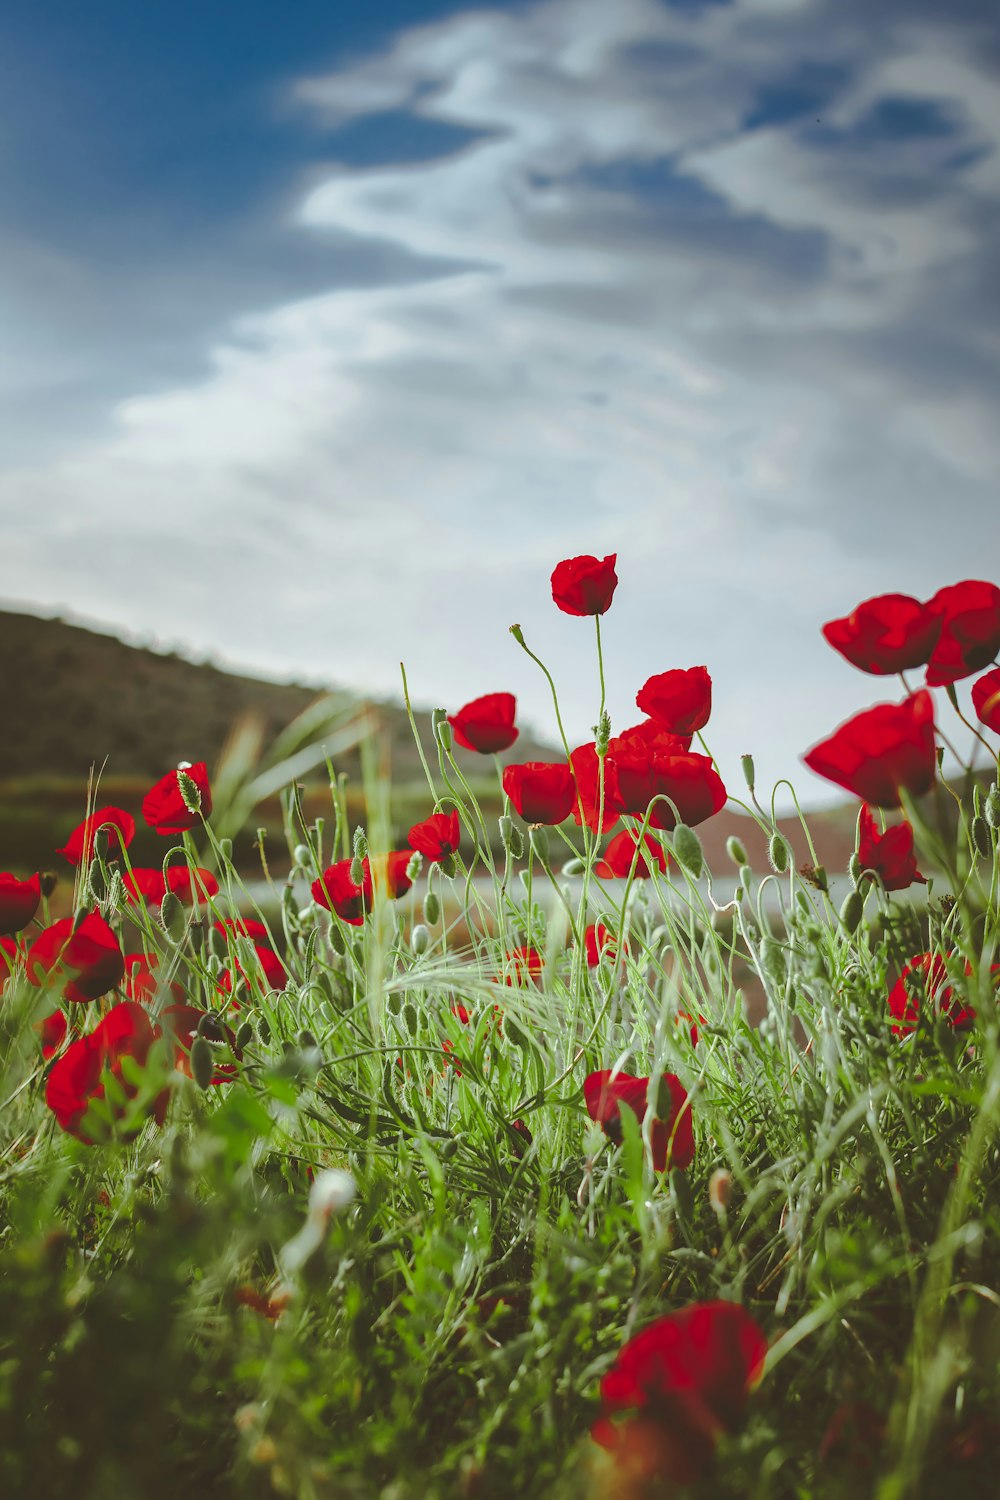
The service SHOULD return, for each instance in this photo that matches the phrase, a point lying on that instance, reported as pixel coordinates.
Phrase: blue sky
(330, 329)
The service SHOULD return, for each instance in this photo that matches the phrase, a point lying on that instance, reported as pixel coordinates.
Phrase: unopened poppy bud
(302, 856)
(687, 848)
(190, 791)
(202, 1062)
(357, 871)
(746, 877)
(244, 1036)
(772, 960)
(777, 853)
(538, 838)
(511, 837)
(414, 865)
(852, 910)
(360, 847)
(420, 938)
(991, 812)
(226, 848)
(982, 838)
(432, 908)
(264, 1028)
(337, 939)
(442, 731)
(736, 850)
(720, 1187)
(854, 868)
(448, 866)
(47, 882)
(410, 1018)
(746, 761)
(172, 916)
(574, 866)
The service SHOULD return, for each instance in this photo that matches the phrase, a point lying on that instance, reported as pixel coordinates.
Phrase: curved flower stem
(516, 632)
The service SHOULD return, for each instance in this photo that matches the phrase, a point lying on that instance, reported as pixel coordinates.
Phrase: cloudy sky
(329, 329)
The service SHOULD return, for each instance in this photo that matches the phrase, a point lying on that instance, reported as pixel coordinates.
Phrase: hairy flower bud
(852, 910)
(302, 856)
(746, 761)
(172, 916)
(982, 837)
(687, 849)
(854, 869)
(357, 871)
(991, 812)
(777, 853)
(432, 908)
(538, 838)
(202, 1062)
(244, 1036)
(420, 938)
(736, 850)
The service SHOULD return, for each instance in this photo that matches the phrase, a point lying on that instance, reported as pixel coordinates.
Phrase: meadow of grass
(194, 1294)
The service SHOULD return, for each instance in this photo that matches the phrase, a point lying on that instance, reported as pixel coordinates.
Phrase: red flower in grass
(338, 893)
(522, 965)
(486, 725)
(680, 700)
(11, 951)
(890, 854)
(690, 781)
(970, 630)
(388, 873)
(18, 902)
(881, 751)
(233, 927)
(164, 806)
(87, 962)
(541, 791)
(600, 942)
(585, 585)
(80, 1076)
(52, 1032)
(925, 978)
(142, 982)
(621, 852)
(266, 973)
(888, 634)
(148, 885)
(986, 700)
(118, 832)
(680, 1384)
(436, 837)
(672, 1135)
(181, 1023)
(587, 796)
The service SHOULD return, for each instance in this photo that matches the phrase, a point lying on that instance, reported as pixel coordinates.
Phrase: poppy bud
(687, 849)
(172, 917)
(432, 908)
(410, 1018)
(991, 812)
(720, 1187)
(852, 911)
(337, 939)
(736, 850)
(982, 838)
(772, 960)
(854, 868)
(538, 839)
(202, 1062)
(442, 731)
(244, 1036)
(746, 877)
(48, 880)
(574, 866)
(302, 856)
(746, 761)
(307, 1041)
(777, 853)
(357, 871)
(511, 837)
(420, 938)
(189, 790)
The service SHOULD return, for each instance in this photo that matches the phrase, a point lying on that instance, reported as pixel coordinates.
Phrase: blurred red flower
(233, 927)
(925, 978)
(149, 886)
(586, 802)
(522, 964)
(541, 791)
(585, 585)
(266, 973)
(679, 700)
(889, 854)
(118, 832)
(600, 942)
(18, 902)
(437, 836)
(486, 725)
(882, 751)
(970, 630)
(888, 634)
(690, 781)
(164, 807)
(52, 1032)
(87, 962)
(11, 952)
(78, 1077)
(141, 981)
(672, 1134)
(618, 857)
(986, 700)
(681, 1383)
(337, 891)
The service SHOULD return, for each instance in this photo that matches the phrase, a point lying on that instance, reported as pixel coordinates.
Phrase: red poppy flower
(926, 976)
(618, 857)
(486, 725)
(181, 1022)
(78, 1077)
(889, 854)
(690, 781)
(118, 832)
(679, 700)
(521, 965)
(141, 982)
(647, 738)
(11, 951)
(388, 872)
(600, 942)
(888, 634)
(266, 973)
(542, 791)
(231, 927)
(436, 837)
(587, 800)
(148, 885)
(18, 902)
(672, 1138)
(52, 1031)
(585, 585)
(87, 962)
(986, 700)
(882, 751)
(338, 893)
(164, 807)
(970, 630)
(682, 1382)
